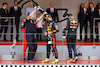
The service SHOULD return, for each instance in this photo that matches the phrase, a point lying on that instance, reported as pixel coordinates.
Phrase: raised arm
(41, 17)
(32, 13)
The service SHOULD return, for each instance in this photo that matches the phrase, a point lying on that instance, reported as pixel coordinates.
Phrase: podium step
(10, 57)
(88, 57)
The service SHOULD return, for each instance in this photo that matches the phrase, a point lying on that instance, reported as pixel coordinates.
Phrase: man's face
(91, 6)
(98, 6)
(15, 3)
(52, 5)
(5, 5)
(85, 5)
(31, 4)
(82, 5)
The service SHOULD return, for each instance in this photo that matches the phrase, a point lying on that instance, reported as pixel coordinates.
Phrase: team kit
(29, 28)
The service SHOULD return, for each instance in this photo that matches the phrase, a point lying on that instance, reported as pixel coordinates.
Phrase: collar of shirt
(4, 8)
(85, 9)
(16, 8)
(30, 7)
(92, 9)
(72, 17)
(99, 11)
(52, 10)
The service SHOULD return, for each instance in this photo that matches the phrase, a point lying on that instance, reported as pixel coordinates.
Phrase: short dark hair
(4, 4)
(91, 3)
(51, 2)
(15, 1)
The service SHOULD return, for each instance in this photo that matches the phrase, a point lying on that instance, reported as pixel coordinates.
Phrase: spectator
(53, 12)
(83, 14)
(91, 15)
(40, 26)
(97, 22)
(81, 6)
(15, 11)
(30, 9)
(4, 22)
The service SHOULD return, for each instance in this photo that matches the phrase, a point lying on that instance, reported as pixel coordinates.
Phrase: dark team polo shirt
(30, 26)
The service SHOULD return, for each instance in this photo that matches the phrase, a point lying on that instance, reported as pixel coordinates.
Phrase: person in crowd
(4, 21)
(30, 25)
(83, 15)
(15, 11)
(92, 12)
(52, 28)
(71, 26)
(53, 12)
(30, 9)
(97, 22)
(40, 27)
(81, 7)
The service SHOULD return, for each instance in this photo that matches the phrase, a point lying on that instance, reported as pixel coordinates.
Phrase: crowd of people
(15, 11)
(86, 14)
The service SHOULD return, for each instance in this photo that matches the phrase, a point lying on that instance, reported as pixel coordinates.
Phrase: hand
(98, 23)
(6, 20)
(49, 32)
(44, 23)
(45, 33)
(88, 23)
(45, 13)
(63, 28)
(57, 23)
(35, 7)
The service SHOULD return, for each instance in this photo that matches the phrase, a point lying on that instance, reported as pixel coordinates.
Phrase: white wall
(72, 5)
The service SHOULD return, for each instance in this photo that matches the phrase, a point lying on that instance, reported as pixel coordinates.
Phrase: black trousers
(39, 33)
(32, 45)
(83, 23)
(4, 26)
(91, 30)
(96, 30)
(17, 28)
(71, 43)
(54, 49)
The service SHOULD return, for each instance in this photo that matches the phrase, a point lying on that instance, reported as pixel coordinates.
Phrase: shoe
(46, 60)
(96, 40)
(34, 59)
(11, 40)
(24, 59)
(91, 40)
(55, 61)
(80, 39)
(85, 40)
(76, 58)
(5, 39)
(30, 61)
(71, 60)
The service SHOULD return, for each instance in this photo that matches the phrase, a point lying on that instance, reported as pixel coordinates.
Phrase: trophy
(11, 48)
